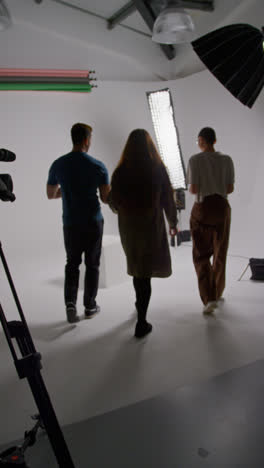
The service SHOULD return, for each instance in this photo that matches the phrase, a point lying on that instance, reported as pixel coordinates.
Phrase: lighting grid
(28, 79)
(162, 114)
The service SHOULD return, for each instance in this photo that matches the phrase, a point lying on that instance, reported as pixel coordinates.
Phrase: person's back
(213, 172)
(79, 176)
(76, 177)
(140, 191)
(210, 176)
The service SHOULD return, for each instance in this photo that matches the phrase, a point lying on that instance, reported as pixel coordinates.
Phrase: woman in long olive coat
(140, 194)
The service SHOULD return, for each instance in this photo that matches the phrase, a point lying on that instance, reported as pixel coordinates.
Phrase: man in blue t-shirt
(76, 177)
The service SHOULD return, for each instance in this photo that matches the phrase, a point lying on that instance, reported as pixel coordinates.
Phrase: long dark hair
(134, 181)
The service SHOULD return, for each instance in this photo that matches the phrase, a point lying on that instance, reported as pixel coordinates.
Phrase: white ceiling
(53, 35)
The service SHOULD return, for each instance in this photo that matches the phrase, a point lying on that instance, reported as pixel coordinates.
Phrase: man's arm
(193, 188)
(53, 191)
(192, 176)
(231, 178)
(230, 188)
(104, 192)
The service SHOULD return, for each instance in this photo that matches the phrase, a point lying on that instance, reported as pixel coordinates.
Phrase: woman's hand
(173, 231)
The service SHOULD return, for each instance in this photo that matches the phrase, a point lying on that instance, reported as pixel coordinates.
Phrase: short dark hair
(80, 132)
(208, 134)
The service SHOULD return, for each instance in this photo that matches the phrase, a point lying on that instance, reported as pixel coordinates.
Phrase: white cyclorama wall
(36, 126)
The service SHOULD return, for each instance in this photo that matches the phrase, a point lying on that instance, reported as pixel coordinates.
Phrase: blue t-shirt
(79, 176)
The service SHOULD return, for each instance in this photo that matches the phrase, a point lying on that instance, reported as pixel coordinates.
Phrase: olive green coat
(143, 234)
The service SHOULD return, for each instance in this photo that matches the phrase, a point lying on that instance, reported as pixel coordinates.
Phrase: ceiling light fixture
(5, 17)
(173, 25)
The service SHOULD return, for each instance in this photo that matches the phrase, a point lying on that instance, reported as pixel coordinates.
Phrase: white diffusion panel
(162, 114)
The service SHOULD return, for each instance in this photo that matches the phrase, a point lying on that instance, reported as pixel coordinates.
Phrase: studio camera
(6, 183)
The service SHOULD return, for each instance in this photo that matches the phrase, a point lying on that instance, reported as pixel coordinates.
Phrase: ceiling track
(96, 15)
(148, 9)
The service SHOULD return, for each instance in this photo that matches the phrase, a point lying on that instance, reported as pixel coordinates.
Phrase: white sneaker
(221, 299)
(209, 307)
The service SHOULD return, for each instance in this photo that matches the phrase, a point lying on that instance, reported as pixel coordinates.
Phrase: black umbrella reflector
(235, 56)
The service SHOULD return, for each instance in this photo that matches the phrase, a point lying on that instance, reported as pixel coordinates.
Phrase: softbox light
(234, 55)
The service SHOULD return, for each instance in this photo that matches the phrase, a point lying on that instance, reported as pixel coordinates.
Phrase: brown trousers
(210, 227)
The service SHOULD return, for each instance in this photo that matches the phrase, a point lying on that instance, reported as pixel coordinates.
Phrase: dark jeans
(143, 292)
(79, 240)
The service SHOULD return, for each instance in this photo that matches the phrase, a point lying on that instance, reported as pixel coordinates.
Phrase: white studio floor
(97, 365)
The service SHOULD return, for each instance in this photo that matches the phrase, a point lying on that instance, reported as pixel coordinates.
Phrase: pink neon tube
(45, 73)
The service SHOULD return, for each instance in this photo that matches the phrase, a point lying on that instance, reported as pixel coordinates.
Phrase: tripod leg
(50, 421)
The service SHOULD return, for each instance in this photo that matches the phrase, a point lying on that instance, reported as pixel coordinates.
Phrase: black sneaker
(89, 312)
(71, 313)
(142, 329)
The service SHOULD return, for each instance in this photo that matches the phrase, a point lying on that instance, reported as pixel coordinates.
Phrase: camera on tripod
(6, 183)
(28, 365)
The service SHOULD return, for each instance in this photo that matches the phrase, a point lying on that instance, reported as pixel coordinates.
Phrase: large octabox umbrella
(235, 56)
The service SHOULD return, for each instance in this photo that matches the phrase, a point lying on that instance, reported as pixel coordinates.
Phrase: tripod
(15, 455)
(29, 366)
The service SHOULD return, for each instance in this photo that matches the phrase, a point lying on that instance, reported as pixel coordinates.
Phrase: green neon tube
(70, 87)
